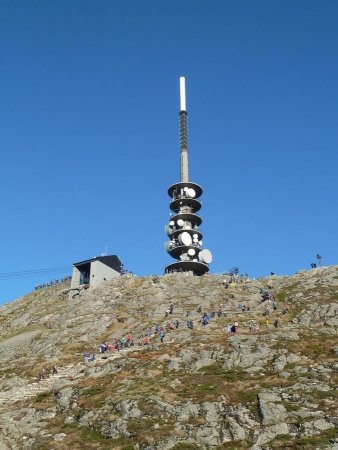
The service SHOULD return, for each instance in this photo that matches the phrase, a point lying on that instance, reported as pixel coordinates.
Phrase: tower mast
(185, 244)
(183, 133)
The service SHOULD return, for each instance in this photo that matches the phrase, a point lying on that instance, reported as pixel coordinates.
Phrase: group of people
(51, 283)
(171, 324)
(319, 261)
(43, 375)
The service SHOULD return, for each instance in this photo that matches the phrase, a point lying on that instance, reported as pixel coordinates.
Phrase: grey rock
(59, 436)
(315, 427)
(115, 429)
(236, 430)
(128, 408)
(175, 364)
(271, 411)
(279, 363)
(188, 411)
(269, 433)
(65, 398)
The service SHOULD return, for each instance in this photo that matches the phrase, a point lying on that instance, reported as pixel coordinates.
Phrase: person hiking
(162, 335)
(319, 259)
(92, 358)
(86, 357)
(54, 370)
(205, 319)
(190, 324)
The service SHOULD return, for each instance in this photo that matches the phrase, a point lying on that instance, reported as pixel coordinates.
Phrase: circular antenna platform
(196, 267)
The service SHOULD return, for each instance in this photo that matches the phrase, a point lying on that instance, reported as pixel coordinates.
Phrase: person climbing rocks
(275, 324)
(285, 310)
(319, 259)
(92, 358)
(54, 370)
(225, 283)
(162, 335)
(205, 319)
(190, 324)
(176, 323)
(86, 357)
(42, 375)
(313, 265)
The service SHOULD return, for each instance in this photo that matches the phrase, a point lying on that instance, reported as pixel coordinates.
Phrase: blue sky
(89, 131)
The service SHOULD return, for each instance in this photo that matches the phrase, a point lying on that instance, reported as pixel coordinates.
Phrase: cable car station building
(96, 270)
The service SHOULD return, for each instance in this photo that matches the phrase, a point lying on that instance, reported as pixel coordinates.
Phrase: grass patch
(145, 431)
(319, 441)
(93, 390)
(235, 375)
(42, 397)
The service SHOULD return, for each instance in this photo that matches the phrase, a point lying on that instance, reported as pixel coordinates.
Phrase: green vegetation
(93, 390)
(319, 441)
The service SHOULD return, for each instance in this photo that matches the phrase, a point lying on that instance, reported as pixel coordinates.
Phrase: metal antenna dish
(180, 222)
(205, 256)
(191, 193)
(168, 245)
(185, 238)
(191, 252)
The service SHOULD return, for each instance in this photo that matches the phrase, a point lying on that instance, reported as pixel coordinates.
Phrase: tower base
(196, 267)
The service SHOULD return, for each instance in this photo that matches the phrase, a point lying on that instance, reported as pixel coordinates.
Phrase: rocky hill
(269, 385)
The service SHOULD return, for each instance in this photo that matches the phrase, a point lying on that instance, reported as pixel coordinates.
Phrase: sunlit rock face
(266, 385)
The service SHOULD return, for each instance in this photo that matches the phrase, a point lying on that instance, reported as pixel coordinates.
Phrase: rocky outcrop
(263, 387)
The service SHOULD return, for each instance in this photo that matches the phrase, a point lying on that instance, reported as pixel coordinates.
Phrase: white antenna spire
(183, 106)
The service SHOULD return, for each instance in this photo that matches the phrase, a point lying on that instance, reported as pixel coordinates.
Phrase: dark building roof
(111, 261)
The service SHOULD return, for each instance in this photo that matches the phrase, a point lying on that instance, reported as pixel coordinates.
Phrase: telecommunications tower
(185, 238)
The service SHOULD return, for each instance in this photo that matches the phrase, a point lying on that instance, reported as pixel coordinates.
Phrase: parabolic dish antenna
(191, 193)
(167, 245)
(185, 238)
(171, 223)
(195, 236)
(186, 189)
(180, 222)
(205, 256)
(168, 230)
(191, 252)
